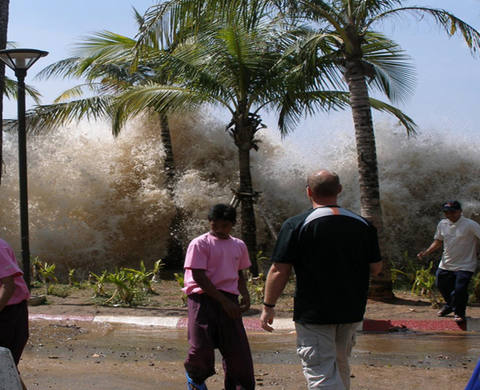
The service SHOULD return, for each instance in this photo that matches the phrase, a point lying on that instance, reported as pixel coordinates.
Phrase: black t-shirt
(331, 250)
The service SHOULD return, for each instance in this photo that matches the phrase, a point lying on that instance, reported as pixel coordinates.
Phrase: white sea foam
(97, 202)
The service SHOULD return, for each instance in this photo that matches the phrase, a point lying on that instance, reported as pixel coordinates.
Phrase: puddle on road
(89, 341)
(98, 341)
(439, 349)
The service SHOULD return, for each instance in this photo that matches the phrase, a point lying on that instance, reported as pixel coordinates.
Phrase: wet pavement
(89, 355)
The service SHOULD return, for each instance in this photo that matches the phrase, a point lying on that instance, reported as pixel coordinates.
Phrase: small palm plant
(424, 284)
(476, 287)
(157, 267)
(36, 265)
(126, 283)
(256, 287)
(143, 277)
(48, 273)
(179, 277)
(98, 283)
(72, 281)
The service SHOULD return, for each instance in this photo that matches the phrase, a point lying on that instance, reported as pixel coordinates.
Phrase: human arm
(276, 281)
(242, 287)
(209, 288)
(375, 268)
(436, 244)
(7, 289)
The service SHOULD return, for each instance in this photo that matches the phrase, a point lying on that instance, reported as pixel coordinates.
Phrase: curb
(9, 378)
(253, 324)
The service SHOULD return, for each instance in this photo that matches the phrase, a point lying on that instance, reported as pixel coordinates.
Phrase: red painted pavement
(394, 325)
(254, 323)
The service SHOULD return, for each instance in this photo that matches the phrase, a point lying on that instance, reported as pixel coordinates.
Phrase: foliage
(408, 271)
(47, 271)
(424, 284)
(72, 281)
(475, 288)
(98, 284)
(126, 286)
(143, 277)
(59, 290)
(179, 277)
(156, 270)
(256, 287)
(36, 265)
(262, 260)
(130, 284)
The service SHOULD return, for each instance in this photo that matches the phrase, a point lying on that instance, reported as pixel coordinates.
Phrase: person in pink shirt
(214, 280)
(14, 296)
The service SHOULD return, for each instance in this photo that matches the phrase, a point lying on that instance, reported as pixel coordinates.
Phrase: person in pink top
(214, 280)
(14, 296)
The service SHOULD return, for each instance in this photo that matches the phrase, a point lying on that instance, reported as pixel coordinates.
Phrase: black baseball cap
(451, 205)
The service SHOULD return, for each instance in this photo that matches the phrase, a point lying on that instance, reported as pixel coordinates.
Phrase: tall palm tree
(240, 65)
(368, 60)
(365, 58)
(110, 65)
(242, 62)
(4, 8)
(8, 87)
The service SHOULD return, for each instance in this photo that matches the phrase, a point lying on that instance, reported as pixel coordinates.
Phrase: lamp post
(20, 60)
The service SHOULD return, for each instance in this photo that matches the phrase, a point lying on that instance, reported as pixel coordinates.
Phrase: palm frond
(52, 116)
(443, 19)
(294, 107)
(404, 119)
(66, 68)
(395, 74)
(11, 90)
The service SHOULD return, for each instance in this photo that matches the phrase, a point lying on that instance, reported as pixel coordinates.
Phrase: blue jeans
(453, 285)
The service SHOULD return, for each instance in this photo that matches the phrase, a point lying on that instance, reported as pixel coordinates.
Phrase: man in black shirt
(333, 252)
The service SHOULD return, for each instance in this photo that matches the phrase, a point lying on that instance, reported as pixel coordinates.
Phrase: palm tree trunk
(168, 162)
(4, 8)
(249, 227)
(174, 258)
(381, 287)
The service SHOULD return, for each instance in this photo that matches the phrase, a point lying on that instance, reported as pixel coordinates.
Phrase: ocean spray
(96, 202)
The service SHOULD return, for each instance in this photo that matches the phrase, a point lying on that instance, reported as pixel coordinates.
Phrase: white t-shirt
(459, 244)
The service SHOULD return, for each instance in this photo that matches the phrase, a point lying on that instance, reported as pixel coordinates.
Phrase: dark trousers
(453, 285)
(14, 328)
(209, 328)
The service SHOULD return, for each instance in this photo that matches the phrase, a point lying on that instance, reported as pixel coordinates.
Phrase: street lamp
(20, 60)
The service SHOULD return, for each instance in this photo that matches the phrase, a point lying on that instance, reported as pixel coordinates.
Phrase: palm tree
(243, 62)
(364, 58)
(367, 60)
(242, 67)
(4, 8)
(8, 87)
(109, 64)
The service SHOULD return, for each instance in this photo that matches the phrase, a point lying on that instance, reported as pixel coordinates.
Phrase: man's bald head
(324, 184)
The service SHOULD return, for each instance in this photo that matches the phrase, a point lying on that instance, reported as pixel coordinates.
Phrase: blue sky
(448, 88)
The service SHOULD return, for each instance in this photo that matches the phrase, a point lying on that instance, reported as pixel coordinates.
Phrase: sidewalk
(368, 325)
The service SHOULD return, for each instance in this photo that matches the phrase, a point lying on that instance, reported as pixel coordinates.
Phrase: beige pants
(324, 350)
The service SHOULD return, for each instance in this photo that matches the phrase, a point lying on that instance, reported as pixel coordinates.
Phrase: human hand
(266, 319)
(245, 303)
(422, 254)
(232, 309)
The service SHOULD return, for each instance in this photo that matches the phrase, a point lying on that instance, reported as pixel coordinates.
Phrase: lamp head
(20, 60)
